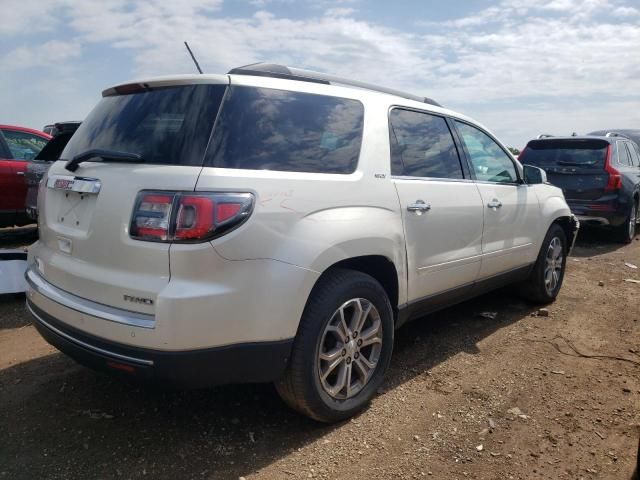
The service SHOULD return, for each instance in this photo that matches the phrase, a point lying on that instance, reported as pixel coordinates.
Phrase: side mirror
(534, 175)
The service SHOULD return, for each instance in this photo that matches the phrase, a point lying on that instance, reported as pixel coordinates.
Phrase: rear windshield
(576, 153)
(168, 126)
(266, 129)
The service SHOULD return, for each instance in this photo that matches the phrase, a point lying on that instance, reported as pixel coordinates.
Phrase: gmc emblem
(63, 184)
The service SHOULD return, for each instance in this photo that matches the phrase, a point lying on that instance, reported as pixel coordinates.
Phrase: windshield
(169, 126)
(577, 153)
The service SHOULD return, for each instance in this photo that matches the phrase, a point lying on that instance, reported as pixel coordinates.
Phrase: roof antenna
(193, 57)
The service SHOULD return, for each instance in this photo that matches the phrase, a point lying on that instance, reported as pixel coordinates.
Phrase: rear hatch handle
(102, 156)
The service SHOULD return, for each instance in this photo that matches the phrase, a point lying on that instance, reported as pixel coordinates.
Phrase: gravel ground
(466, 397)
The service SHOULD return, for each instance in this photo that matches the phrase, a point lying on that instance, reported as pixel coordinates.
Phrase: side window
(267, 129)
(490, 163)
(637, 149)
(623, 155)
(23, 145)
(633, 155)
(422, 146)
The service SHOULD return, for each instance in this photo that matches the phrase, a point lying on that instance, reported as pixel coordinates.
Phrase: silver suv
(277, 225)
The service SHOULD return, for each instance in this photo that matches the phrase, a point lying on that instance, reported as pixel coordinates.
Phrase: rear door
(441, 207)
(511, 210)
(577, 166)
(85, 215)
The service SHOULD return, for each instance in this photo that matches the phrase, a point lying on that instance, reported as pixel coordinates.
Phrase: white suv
(277, 225)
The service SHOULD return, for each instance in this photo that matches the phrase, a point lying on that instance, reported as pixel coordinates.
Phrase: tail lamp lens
(615, 179)
(188, 217)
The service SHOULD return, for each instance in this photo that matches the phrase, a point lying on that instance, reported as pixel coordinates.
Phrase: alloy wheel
(553, 265)
(350, 348)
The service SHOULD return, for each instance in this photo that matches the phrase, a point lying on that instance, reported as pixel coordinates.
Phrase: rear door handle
(19, 173)
(419, 207)
(495, 204)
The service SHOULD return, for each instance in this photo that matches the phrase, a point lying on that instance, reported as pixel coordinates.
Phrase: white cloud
(51, 53)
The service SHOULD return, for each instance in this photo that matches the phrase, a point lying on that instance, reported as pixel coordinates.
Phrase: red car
(18, 145)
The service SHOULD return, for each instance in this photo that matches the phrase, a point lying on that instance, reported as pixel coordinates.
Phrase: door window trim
(519, 181)
(463, 164)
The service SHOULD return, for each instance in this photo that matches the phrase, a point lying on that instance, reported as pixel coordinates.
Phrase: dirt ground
(466, 397)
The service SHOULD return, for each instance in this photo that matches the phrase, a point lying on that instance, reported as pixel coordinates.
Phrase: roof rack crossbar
(281, 71)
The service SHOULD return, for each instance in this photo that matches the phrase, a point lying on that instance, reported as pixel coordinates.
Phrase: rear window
(168, 126)
(266, 129)
(575, 153)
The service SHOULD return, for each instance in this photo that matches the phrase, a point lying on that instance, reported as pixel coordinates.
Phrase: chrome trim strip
(432, 179)
(86, 345)
(82, 305)
(507, 251)
(451, 263)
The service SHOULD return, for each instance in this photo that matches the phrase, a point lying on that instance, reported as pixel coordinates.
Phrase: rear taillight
(615, 179)
(188, 217)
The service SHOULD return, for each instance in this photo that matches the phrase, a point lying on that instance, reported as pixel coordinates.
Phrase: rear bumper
(240, 363)
(601, 213)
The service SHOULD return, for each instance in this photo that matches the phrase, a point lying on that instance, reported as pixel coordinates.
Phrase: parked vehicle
(600, 177)
(631, 133)
(285, 240)
(36, 168)
(18, 145)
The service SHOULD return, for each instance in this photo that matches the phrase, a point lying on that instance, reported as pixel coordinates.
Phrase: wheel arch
(380, 267)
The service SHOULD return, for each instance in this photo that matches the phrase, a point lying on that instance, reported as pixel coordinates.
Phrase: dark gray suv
(599, 175)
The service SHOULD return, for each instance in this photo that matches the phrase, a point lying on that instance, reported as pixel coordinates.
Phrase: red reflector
(121, 366)
(601, 208)
(225, 211)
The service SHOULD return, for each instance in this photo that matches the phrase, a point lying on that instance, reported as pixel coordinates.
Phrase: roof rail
(544, 135)
(615, 134)
(280, 71)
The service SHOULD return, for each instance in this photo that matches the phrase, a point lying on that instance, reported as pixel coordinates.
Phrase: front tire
(545, 280)
(342, 349)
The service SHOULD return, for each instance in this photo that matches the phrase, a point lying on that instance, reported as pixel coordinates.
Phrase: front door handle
(19, 173)
(495, 204)
(419, 207)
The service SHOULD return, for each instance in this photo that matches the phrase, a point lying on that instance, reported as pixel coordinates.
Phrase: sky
(520, 67)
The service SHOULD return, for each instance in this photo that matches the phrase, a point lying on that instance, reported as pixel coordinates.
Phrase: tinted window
(633, 154)
(574, 153)
(490, 163)
(422, 146)
(23, 145)
(266, 129)
(623, 155)
(168, 125)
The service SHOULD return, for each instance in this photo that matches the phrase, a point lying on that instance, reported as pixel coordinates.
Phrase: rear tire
(545, 280)
(626, 232)
(335, 369)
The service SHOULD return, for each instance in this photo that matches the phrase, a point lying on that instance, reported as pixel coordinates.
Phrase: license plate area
(71, 202)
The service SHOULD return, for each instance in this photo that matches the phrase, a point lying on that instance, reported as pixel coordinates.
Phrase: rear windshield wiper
(102, 156)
